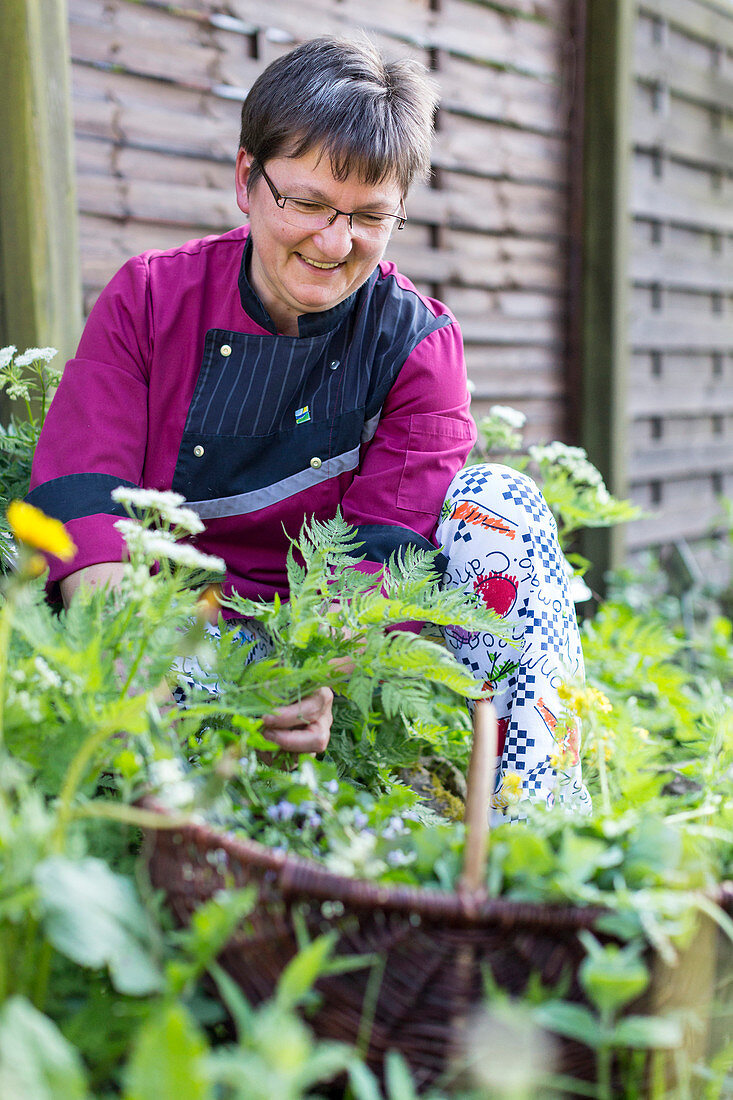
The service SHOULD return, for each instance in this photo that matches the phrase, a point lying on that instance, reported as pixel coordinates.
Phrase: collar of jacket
(309, 324)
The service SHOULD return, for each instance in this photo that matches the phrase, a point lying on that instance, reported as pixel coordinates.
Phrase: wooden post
(603, 321)
(40, 291)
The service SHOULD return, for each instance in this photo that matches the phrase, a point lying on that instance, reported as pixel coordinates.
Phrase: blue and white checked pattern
(520, 550)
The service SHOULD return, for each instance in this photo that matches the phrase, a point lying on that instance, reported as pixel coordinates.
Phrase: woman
(284, 369)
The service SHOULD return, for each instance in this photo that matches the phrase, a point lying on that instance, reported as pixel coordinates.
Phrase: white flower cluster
(513, 417)
(158, 545)
(6, 355)
(575, 461)
(34, 355)
(166, 505)
(26, 702)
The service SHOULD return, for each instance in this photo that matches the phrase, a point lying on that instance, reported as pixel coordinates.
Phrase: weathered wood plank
(701, 145)
(544, 418)
(499, 329)
(39, 274)
(492, 150)
(697, 519)
(667, 463)
(605, 233)
(707, 86)
(501, 95)
(699, 20)
(693, 268)
(683, 205)
(666, 401)
(679, 333)
(490, 38)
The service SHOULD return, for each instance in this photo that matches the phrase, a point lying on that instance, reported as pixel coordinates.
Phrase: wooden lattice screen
(681, 379)
(157, 92)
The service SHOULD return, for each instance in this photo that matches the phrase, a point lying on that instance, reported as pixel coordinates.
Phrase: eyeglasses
(312, 215)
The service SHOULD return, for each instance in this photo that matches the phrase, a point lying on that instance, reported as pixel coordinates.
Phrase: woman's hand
(303, 726)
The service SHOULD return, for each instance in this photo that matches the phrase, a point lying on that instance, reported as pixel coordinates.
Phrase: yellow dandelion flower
(39, 531)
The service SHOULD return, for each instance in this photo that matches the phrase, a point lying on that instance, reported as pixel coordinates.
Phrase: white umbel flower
(513, 417)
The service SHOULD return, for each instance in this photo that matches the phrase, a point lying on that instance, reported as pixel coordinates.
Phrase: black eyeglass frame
(280, 200)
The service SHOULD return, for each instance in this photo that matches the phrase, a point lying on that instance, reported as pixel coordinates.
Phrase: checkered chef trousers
(500, 539)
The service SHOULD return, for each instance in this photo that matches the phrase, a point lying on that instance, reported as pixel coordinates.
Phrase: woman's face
(294, 271)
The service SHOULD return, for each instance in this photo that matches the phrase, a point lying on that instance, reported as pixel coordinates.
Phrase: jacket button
(198, 451)
(225, 350)
(334, 364)
(316, 463)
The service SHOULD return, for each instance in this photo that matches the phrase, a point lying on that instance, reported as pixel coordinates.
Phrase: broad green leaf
(400, 1085)
(362, 1082)
(169, 1060)
(36, 1061)
(94, 917)
(647, 1032)
(572, 1021)
(302, 971)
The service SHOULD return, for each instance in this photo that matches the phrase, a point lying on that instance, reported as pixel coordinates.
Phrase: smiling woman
(284, 370)
(299, 267)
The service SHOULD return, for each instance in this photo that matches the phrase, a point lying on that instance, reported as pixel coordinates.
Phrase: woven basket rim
(300, 878)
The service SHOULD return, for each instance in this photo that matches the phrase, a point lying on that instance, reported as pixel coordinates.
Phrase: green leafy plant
(28, 380)
(572, 486)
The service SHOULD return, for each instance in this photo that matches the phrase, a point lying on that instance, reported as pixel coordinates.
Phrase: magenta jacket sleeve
(95, 433)
(423, 438)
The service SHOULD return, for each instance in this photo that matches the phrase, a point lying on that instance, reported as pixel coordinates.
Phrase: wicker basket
(436, 945)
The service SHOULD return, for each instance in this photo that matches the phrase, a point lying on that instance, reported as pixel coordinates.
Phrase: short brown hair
(369, 115)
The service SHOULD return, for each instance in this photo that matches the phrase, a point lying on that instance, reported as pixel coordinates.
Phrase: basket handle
(479, 784)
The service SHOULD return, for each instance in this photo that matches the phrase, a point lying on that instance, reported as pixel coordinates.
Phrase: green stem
(603, 778)
(43, 974)
(6, 626)
(6, 933)
(605, 1057)
(129, 815)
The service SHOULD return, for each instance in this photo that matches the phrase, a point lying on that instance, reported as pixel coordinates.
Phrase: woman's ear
(241, 178)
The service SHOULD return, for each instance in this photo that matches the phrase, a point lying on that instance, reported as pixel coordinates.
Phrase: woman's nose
(335, 240)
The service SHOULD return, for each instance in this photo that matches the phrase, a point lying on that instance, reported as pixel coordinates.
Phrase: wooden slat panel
(665, 401)
(666, 525)
(164, 203)
(706, 85)
(168, 131)
(666, 463)
(130, 35)
(702, 144)
(700, 20)
(488, 149)
(657, 330)
(158, 127)
(496, 328)
(688, 206)
(680, 267)
(501, 95)
(503, 206)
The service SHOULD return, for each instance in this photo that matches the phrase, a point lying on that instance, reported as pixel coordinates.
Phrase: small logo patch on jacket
(302, 416)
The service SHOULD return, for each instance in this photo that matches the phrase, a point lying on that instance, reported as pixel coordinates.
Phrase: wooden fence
(680, 397)
(157, 91)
